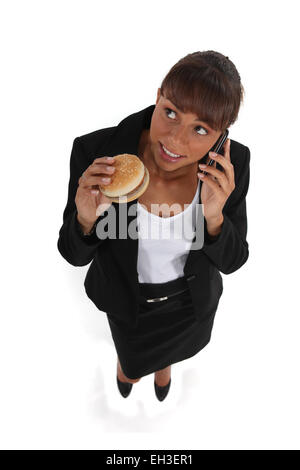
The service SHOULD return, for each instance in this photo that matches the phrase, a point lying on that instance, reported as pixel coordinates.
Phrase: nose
(179, 141)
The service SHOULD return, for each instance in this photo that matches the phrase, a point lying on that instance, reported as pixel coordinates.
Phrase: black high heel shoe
(162, 392)
(124, 388)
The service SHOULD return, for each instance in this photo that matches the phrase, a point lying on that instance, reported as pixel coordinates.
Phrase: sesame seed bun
(129, 180)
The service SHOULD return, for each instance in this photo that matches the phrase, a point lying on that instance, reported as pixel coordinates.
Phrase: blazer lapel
(196, 261)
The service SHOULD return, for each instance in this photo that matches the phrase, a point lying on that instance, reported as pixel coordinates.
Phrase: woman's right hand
(89, 196)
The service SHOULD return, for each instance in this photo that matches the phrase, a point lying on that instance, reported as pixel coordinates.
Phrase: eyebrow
(195, 120)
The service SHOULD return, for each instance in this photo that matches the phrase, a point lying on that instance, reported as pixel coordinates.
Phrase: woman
(198, 100)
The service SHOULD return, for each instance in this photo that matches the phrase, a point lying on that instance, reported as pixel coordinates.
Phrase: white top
(164, 242)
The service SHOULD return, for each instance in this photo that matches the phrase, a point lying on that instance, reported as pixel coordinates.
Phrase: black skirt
(167, 331)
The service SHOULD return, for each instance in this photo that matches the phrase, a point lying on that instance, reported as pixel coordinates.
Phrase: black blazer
(112, 280)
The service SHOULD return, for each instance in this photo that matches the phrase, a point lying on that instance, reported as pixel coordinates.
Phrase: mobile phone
(216, 148)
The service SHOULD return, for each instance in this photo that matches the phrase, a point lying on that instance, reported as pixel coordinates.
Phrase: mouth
(167, 155)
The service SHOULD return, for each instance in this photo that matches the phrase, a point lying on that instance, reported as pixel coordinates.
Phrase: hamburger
(129, 180)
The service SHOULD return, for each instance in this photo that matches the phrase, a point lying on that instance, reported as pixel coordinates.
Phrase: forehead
(197, 118)
(173, 102)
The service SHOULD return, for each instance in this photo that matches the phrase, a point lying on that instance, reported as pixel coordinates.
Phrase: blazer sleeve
(230, 249)
(75, 247)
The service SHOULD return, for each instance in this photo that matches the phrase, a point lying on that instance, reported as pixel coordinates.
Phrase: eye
(168, 111)
(200, 127)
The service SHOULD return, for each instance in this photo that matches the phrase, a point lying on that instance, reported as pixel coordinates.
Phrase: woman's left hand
(217, 185)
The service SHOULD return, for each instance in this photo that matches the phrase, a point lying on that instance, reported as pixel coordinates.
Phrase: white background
(72, 67)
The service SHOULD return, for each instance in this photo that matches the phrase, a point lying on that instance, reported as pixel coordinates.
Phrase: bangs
(204, 92)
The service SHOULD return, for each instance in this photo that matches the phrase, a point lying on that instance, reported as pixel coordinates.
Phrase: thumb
(101, 206)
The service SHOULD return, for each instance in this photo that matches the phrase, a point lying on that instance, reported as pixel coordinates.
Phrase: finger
(227, 150)
(104, 160)
(212, 170)
(102, 207)
(225, 163)
(216, 175)
(94, 180)
(96, 171)
(95, 190)
(213, 184)
(211, 176)
(222, 160)
(215, 166)
(101, 168)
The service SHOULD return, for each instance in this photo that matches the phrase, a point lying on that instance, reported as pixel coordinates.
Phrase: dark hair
(208, 84)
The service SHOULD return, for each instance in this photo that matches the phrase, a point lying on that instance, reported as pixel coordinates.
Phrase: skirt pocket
(165, 306)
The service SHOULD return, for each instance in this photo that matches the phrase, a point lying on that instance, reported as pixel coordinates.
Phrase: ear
(158, 96)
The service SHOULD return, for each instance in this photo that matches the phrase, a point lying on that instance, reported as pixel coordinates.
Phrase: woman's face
(181, 133)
